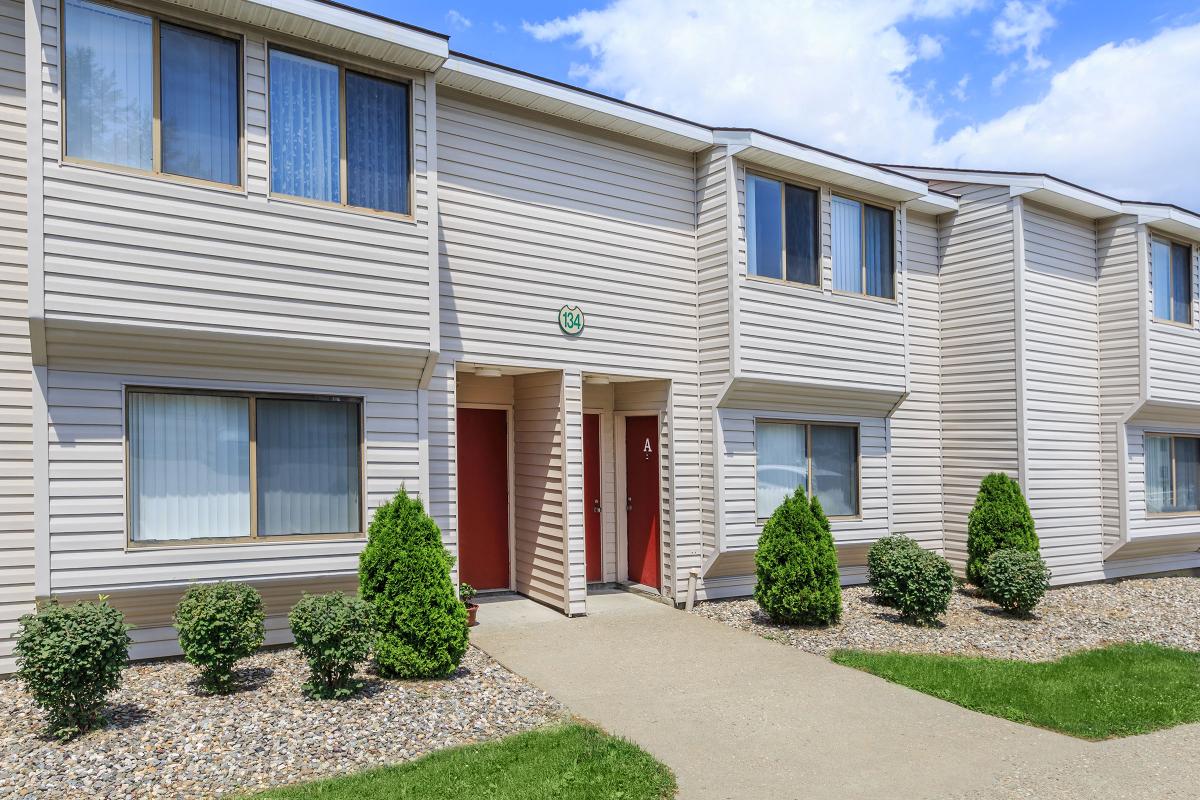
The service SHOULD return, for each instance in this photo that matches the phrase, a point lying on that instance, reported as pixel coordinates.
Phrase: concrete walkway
(737, 716)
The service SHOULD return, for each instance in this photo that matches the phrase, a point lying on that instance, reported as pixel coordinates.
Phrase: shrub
(1016, 580)
(218, 624)
(404, 574)
(69, 658)
(333, 633)
(926, 586)
(1000, 520)
(466, 592)
(796, 568)
(885, 561)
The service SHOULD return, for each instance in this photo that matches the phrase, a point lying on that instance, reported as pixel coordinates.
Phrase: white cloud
(928, 47)
(1023, 26)
(499, 27)
(1122, 119)
(457, 20)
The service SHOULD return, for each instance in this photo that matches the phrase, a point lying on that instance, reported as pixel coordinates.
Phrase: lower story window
(234, 466)
(821, 459)
(1172, 474)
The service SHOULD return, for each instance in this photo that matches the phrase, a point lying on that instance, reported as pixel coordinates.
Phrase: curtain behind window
(847, 245)
(376, 143)
(189, 466)
(199, 104)
(881, 263)
(801, 221)
(308, 467)
(1158, 474)
(764, 227)
(1181, 282)
(1160, 259)
(835, 469)
(782, 464)
(305, 127)
(1187, 474)
(109, 85)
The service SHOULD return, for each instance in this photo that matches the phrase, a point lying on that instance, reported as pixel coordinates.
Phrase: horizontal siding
(1062, 390)
(1175, 349)
(813, 335)
(541, 532)
(125, 248)
(16, 380)
(978, 369)
(713, 298)
(915, 478)
(87, 505)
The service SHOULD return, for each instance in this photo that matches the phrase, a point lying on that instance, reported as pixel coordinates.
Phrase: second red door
(642, 501)
(591, 497)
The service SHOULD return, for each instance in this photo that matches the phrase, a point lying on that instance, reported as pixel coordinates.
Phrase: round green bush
(69, 658)
(886, 560)
(333, 633)
(1000, 520)
(796, 569)
(1016, 580)
(404, 575)
(926, 583)
(218, 624)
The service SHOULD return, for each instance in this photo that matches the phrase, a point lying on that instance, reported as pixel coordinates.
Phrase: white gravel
(1161, 610)
(168, 741)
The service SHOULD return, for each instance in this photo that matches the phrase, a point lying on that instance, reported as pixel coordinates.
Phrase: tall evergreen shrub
(796, 566)
(404, 574)
(1000, 520)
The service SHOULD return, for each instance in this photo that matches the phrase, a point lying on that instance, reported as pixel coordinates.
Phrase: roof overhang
(336, 26)
(1043, 189)
(1168, 219)
(522, 89)
(804, 161)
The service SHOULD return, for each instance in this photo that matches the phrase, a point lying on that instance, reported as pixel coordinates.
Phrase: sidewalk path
(738, 716)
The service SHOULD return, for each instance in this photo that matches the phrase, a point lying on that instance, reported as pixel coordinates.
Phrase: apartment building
(267, 263)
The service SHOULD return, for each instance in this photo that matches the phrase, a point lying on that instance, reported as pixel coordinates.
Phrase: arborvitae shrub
(796, 567)
(218, 624)
(1016, 581)
(69, 658)
(333, 633)
(404, 574)
(886, 561)
(1000, 520)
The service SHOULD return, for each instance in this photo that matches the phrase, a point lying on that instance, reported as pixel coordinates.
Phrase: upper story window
(172, 109)
(338, 136)
(228, 466)
(781, 230)
(821, 459)
(864, 248)
(1172, 279)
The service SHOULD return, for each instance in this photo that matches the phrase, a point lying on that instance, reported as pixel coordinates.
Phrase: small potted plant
(467, 593)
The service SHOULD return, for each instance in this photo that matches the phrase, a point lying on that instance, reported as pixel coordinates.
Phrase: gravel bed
(167, 740)
(1161, 610)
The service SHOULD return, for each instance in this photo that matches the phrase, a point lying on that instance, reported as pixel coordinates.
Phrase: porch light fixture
(487, 372)
(597, 380)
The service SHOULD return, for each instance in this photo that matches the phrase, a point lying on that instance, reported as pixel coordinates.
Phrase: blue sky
(1061, 86)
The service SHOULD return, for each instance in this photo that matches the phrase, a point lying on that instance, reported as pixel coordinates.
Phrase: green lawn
(559, 763)
(1094, 694)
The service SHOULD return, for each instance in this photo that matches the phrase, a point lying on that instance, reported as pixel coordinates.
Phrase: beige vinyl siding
(915, 481)
(1062, 390)
(1174, 349)
(814, 335)
(1120, 334)
(536, 213)
(600, 399)
(16, 373)
(742, 527)
(979, 403)
(541, 533)
(87, 497)
(138, 250)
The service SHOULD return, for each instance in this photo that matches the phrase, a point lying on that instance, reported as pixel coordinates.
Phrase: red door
(591, 496)
(641, 485)
(483, 497)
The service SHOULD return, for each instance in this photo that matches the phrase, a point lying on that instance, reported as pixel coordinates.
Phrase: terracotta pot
(472, 608)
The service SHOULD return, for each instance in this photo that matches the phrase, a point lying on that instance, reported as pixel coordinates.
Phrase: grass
(1120, 690)
(565, 762)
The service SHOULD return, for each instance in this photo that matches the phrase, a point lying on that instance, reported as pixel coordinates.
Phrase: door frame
(511, 459)
(622, 524)
(605, 426)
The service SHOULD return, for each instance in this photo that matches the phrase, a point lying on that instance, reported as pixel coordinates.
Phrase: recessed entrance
(483, 485)
(642, 509)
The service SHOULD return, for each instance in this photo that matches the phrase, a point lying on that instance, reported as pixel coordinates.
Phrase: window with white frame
(821, 459)
(864, 249)
(227, 466)
(781, 230)
(338, 136)
(146, 94)
(1172, 474)
(1171, 265)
